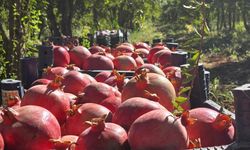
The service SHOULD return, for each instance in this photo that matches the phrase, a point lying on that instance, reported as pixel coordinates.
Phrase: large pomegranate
(150, 68)
(29, 127)
(102, 76)
(157, 130)
(133, 108)
(74, 82)
(164, 61)
(112, 103)
(153, 51)
(209, 127)
(95, 93)
(152, 86)
(50, 73)
(95, 49)
(141, 45)
(98, 62)
(78, 55)
(102, 136)
(50, 97)
(174, 75)
(80, 113)
(61, 56)
(142, 52)
(124, 62)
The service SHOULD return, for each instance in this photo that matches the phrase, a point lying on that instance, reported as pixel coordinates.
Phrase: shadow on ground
(237, 73)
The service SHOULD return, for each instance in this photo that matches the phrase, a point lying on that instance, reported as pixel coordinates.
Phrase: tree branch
(3, 33)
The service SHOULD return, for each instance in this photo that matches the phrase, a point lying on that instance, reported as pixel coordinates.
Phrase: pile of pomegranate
(70, 110)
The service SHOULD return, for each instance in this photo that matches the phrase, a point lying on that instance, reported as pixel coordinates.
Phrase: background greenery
(25, 23)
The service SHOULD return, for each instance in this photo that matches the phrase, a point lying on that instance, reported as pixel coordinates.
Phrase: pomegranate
(50, 73)
(102, 76)
(141, 45)
(94, 49)
(73, 67)
(208, 126)
(29, 127)
(158, 130)
(95, 93)
(124, 62)
(142, 52)
(98, 62)
(139, 61)
(153, 51)
(117, 80)
(61, 56)
(80, 113)
(74, 82)
(164, 60)
(50, 97)
(174, 75)
(66, 142)
(152, 86)
(78, 55)
(150, 68)
(133, 108)
(102, 136)
(112, 103)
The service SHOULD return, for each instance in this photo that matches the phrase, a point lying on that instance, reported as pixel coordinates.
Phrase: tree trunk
(67, 14)
(245, 16)
(52, 19)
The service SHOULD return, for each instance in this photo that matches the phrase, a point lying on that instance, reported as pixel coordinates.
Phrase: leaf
(181, 99)
(197, 32)
(195, 56)
(206, 29)
(185, 89)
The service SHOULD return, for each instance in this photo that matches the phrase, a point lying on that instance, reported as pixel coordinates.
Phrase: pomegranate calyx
(97, 124)
(74, 108)
(9, 115)
(186, 120)
(141, 78)
(222, 122)
(71, 66)
(196, 143)
(57, 82)
(47, 70)
(151, 96)
(60, 143)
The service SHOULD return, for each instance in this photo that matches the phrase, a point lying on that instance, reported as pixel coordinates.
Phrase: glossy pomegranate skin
(204, 129)
(32, 128)
(110, 137)
(154, 84)
(75, 123)
(53, 99)
(112, 103)
(95, 49)
(153, 50)
(1, 142)
(133, 108)
(78, 55)
(124, 62)
(40, 81)
(61, 56)
(158, 130)
(74, 82)
(98, 62)
(51, 72)
(141, 45)
(150, 68)
(102, 76)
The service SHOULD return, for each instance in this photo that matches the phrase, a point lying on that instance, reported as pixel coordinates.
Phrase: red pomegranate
(95, 93)
(150, 68)
(117, 80)
(164, 60)
(102, 136)
(152, 86)
(112, 103)
(74, 82)
(141, 45)
(142, 52)
(103, 75)
(138, 59)
(29, 127)
(133, 108)
(73, 67)
(158, 130)
(66, 142)
(50, 73)
(94, 49)
(61, 56)
(50, 97)
(208, 126)
(80, 113)
(78, 55)
(174, 75)
(153, 50)
(98, 62)
(124, 62)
